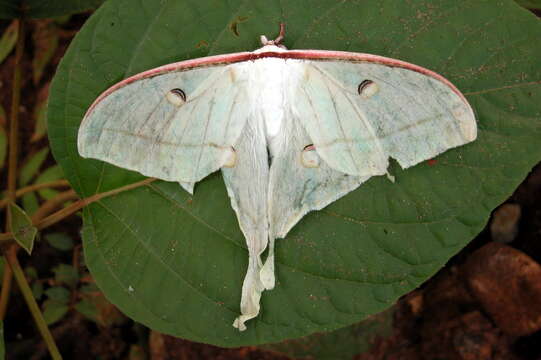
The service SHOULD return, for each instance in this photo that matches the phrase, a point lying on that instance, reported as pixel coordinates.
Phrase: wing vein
(198, 163)
(233, 105)
(168, 143)
(341, 127)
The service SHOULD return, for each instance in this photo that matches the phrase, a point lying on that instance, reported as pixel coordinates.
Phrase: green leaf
(21, 227)
(96, 308)
(30, 203)
(89, 289)
(341, 344)
(9, 39)
(60, 241)
(53, 311)
(40, 121)
(50, 174)
(2, 266)
(44, 9)
(66, 274)
(31, 272)
(59, 294)
(37, 290)
(32, 165)
(45, 39)
(530, 4)
(176, 263)
(63, 19)
(88, 309)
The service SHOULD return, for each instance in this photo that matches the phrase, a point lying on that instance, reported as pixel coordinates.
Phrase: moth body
(268, 79)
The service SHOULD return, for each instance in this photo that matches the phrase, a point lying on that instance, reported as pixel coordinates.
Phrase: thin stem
(13, 262)
(20, 192)
(57, 216)
(14, 114)
(76, 206)
(12, 159)
(6, 288)
(47, 207)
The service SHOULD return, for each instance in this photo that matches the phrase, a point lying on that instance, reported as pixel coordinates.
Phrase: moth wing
(358, 114)
(300, 181)
(145, 124)
(247, 186)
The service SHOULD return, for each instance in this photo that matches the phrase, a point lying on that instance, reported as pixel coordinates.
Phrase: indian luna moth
(291, 131)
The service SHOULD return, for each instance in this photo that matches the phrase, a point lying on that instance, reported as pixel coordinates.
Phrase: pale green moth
(291, 130)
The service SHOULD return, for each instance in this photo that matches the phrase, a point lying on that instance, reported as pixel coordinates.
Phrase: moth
(291, 131)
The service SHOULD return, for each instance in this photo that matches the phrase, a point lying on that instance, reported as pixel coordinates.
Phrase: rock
(507, 284)
(470, 336)
(473, 338)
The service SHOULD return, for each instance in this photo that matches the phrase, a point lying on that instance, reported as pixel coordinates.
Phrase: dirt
(485, 304)
(464, 312)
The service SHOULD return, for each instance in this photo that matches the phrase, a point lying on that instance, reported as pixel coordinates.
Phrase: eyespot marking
(367, 88)
(176, 96)
(309, 157)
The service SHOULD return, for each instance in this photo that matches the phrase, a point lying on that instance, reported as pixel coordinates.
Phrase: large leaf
(44, 8)
(530, 4)
(341, 344)
(176, 262)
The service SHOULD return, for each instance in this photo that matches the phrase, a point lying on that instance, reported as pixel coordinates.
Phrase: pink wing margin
(178, 66)
(288, 54)
(360, 57)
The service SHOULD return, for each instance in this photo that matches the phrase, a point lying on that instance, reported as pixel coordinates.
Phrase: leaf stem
(47, 207)
(13, 262)
(76, 206)
(14, 114)
(6, 289)
(12, 158)
(35, 187)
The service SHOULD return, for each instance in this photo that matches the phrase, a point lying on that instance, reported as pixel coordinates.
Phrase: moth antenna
(281, 35)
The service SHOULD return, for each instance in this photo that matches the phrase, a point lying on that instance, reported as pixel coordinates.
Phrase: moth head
(367, 88)
(309, 157)
(276, 42)
(176, 97)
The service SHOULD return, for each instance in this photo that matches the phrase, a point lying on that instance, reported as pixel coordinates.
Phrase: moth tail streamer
(266, 274)
(258, 278)
(252, 288)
